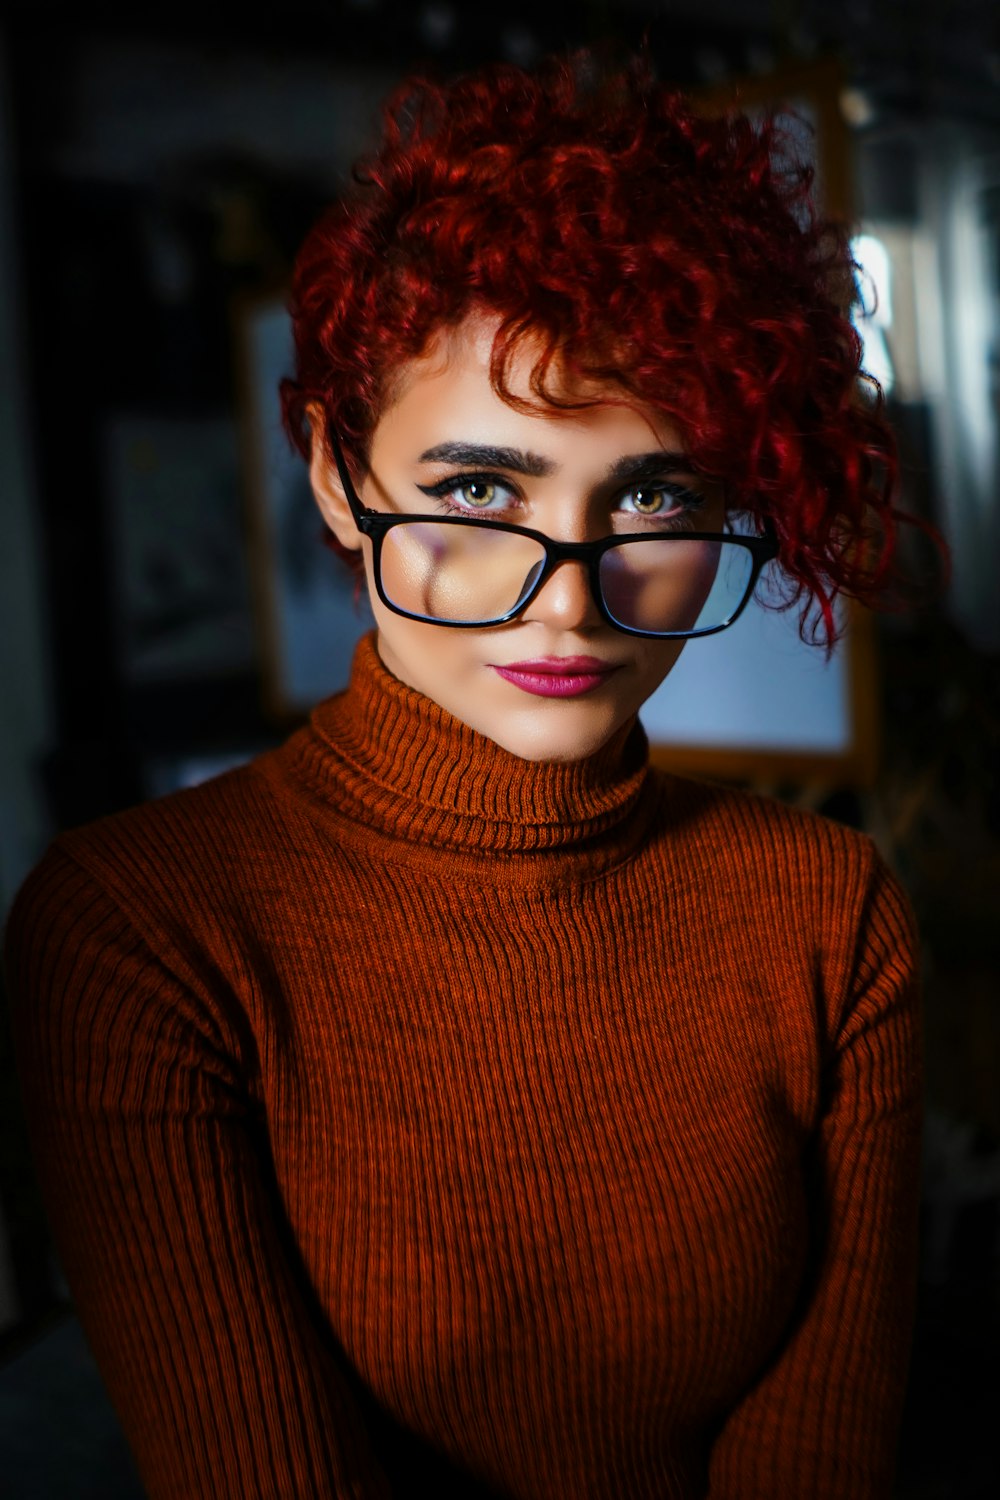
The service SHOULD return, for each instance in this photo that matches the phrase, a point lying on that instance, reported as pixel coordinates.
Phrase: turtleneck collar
(400, 768)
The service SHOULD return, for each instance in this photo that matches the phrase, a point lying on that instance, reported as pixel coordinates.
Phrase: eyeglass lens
(477, 575)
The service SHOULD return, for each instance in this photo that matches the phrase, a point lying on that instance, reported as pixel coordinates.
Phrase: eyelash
(689, 499)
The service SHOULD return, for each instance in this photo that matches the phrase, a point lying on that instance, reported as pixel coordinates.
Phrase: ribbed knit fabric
(414, 1119)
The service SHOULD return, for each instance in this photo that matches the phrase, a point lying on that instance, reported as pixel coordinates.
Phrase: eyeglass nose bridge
(571, 551)
(557, 553)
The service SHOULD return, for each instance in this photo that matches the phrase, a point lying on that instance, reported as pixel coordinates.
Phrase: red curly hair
(673, 257)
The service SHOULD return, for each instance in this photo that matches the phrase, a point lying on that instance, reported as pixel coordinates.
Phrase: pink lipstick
(558, 676)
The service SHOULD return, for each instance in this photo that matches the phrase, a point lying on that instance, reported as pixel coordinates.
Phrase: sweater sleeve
(823, 1419)
(153, 1179)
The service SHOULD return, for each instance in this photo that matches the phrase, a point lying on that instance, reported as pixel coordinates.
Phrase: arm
(224, 1382)
(822, 1420)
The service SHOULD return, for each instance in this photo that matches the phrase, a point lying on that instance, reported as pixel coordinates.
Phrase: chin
(547, 743)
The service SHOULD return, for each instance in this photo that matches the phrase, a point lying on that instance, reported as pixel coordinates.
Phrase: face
(557, 682)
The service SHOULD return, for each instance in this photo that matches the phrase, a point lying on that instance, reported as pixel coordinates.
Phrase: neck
(403, 769)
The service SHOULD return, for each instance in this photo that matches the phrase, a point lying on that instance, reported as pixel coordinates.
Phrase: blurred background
(162, 599)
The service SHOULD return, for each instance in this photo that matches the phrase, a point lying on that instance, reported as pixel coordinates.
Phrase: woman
(446, 1102)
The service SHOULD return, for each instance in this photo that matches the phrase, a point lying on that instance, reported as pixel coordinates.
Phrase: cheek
(425, 656)
(659, 661)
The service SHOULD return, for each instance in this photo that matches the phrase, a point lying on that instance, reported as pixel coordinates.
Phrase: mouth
(558, 676)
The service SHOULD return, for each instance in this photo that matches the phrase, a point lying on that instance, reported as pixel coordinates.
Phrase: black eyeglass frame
(375, 524)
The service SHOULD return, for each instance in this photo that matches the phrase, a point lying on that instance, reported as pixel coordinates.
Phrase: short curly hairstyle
(674, 258)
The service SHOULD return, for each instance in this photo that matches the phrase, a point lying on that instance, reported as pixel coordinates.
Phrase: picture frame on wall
(753, 703)
(757, 703)
(310, 608)
(182, 606)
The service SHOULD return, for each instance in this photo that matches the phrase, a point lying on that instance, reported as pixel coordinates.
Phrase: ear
(327, 488)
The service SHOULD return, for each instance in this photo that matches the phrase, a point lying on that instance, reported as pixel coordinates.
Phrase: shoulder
(747, 832)
(174, 867)
(213, 821)
(797, 894)
(167, 902)
(783, 865)
(117, 980)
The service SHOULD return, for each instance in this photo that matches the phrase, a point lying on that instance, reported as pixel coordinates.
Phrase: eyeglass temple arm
(358, 509)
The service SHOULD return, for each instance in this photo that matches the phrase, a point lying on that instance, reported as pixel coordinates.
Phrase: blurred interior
(158, 170)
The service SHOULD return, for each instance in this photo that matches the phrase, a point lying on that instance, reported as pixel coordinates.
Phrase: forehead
(448, 390)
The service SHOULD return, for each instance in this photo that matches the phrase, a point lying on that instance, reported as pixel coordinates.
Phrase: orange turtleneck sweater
(416, 1119)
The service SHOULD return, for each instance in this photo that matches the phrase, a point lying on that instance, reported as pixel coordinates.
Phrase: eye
(472, 493)
(647, 501)
(658, 499)
(477, 492)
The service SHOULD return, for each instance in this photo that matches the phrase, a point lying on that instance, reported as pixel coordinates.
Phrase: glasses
(470, 573)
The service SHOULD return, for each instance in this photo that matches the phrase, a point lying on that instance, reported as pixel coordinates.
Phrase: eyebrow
(648, 465)
(634, 466)
(513, 459)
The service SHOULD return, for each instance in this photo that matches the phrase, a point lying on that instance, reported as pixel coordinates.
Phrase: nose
(565, 599)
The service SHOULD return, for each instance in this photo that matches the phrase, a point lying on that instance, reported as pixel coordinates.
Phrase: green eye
(478, 492)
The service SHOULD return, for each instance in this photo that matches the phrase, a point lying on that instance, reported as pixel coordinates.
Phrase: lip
(557, 676)
(562, 665)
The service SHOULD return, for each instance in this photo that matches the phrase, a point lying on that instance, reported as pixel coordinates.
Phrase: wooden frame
(308, 609)
(854, 765)
(795, 752)
(818, 86)
(813, 89)
(181, 599)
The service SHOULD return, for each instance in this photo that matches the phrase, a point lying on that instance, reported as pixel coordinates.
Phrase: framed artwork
(182, 597)
(753, 703)
(310, 612)
(812, 91)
